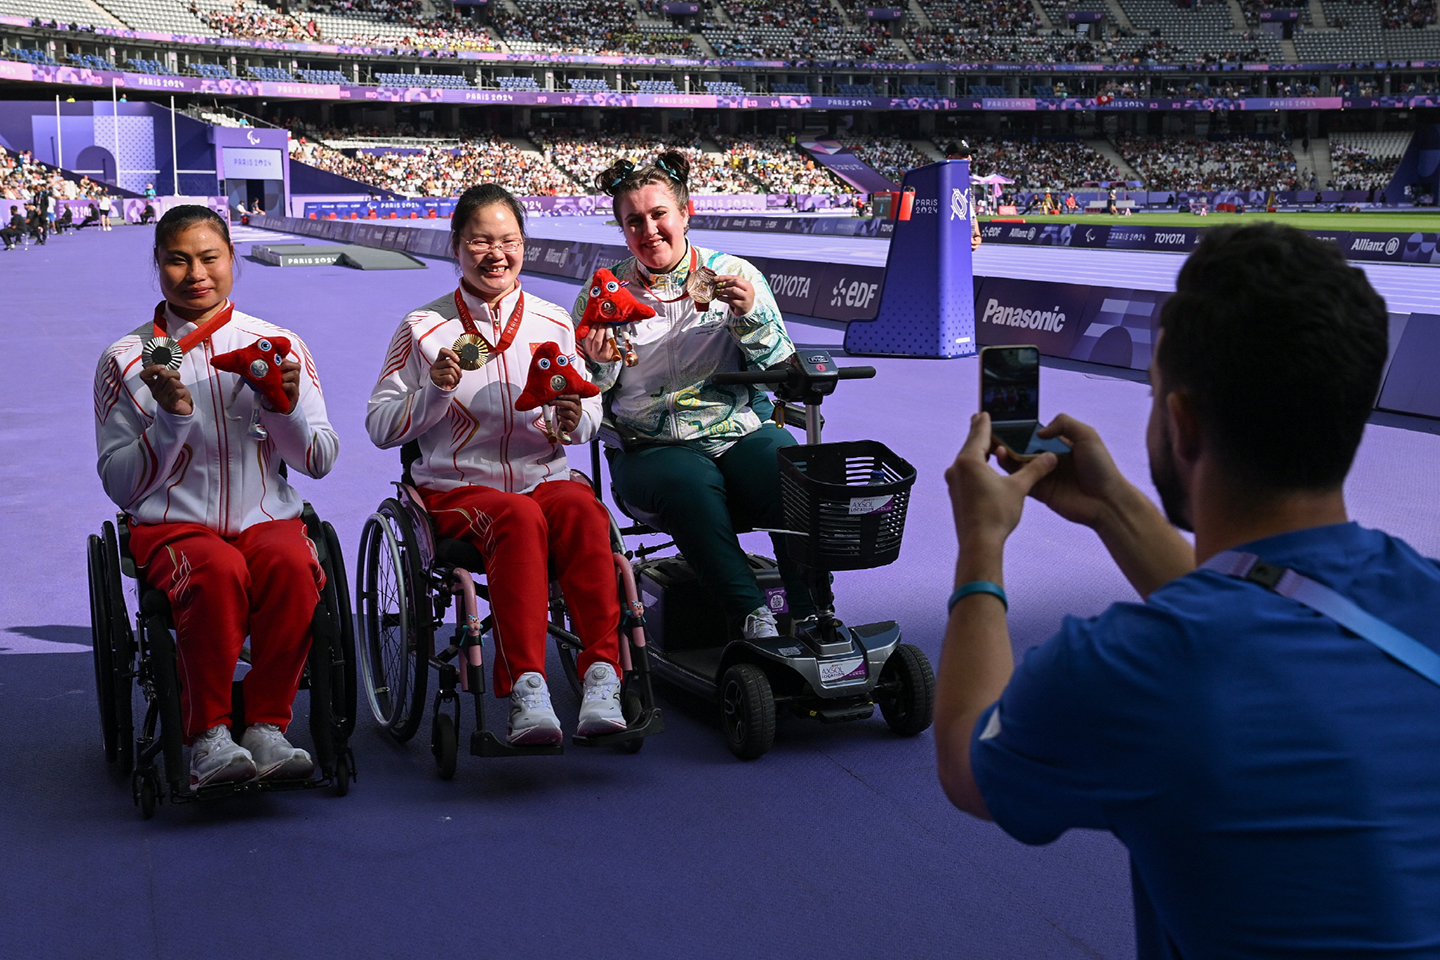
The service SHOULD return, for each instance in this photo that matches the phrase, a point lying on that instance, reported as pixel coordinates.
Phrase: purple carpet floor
(837, 843)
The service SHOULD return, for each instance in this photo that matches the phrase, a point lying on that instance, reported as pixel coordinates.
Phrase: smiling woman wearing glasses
(496, 477)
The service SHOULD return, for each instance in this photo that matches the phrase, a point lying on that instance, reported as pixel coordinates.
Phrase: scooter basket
(846, 502)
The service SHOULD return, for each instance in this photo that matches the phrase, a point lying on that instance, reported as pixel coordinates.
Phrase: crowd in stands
(1353, 168)
(252, 24)
(436, 171)
(21, 177)
(1042, 164)
(1416, 14)
(584, 155)
(568, 161)
(1191, 163)
(889, 157)
(583, 26)
(780, 166)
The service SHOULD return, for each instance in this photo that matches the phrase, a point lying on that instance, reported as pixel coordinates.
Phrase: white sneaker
(275, 757)
(600, 710)
(215, 758)
(759, 624)
(532, 719)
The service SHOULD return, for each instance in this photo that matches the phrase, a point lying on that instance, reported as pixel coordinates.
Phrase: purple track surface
(836, 843)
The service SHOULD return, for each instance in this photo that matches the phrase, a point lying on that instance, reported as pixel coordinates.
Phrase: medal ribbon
(201, 333)
(507, 337)
(684, 293)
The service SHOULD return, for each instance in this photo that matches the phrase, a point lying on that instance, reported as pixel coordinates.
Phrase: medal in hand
(471, 351)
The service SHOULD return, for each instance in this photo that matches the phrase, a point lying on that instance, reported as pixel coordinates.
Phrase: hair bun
(609, 180)
(675, 164)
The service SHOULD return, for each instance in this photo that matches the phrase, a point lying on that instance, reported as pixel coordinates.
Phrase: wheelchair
(406, 580)
(844, 509)
(144, 657)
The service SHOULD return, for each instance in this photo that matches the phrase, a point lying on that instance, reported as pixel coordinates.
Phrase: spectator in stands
(15, 230)
(36, 224)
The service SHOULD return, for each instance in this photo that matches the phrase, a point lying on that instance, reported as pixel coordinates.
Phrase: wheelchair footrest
(646, 725)
(483, 743)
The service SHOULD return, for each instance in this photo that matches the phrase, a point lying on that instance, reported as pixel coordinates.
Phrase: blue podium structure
(927, 306)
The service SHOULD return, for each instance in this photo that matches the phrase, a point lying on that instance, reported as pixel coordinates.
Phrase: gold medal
(472, 351)
(700, 285)
(161, 350)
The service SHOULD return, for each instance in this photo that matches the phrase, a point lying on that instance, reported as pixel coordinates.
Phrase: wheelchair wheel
(908, 683)
(120, 649)
(339, 601)
(100, 627)
(747, 711)
(392, 606)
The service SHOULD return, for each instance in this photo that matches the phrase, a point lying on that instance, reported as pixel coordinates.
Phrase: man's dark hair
(185, 216)
(1280, 343)
(482, 195)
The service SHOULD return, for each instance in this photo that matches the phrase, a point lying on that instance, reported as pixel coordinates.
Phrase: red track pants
(559, 524)
(264, 583)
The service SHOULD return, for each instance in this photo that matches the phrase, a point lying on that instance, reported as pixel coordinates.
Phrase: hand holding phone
(1010, 393)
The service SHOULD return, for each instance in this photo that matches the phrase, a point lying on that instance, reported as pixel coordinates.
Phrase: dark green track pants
(700, 501)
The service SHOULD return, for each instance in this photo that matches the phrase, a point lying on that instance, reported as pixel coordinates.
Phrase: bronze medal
(162, 351)
(700, 285)
(608, 308)
(472, 351)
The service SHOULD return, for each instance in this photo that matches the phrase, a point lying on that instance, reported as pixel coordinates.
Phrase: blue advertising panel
(927, 303)
(1411, 385)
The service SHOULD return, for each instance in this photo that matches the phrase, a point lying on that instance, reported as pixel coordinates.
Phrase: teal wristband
(978, 586)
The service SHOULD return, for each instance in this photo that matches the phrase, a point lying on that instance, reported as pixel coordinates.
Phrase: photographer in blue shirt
(1273, 774)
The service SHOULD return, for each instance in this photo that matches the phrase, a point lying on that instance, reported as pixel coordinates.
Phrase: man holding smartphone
(1271, 772)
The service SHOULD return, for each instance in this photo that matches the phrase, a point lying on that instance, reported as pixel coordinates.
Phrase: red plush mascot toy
(259, 366)
(552, 374)
(611, 305)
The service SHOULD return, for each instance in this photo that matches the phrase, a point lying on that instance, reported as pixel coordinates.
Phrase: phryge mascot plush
(552, 374)
(611, 305)
(259, 366)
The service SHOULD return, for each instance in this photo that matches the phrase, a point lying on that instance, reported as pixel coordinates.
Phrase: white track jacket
(206, 468)
(473, 435)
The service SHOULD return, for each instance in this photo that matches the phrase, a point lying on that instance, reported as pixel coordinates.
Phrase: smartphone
(1010, 393)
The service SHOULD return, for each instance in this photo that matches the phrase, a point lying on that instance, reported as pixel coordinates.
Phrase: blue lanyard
(1320, 598)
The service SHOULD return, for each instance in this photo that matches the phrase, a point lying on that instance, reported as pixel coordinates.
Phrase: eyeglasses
(482, 247)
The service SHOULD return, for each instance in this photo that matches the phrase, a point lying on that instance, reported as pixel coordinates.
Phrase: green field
(1368, 220)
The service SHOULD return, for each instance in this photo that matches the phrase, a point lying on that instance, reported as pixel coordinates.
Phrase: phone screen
(1010, 383)
(1010, 393)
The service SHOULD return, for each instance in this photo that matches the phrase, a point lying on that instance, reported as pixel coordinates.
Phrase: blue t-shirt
(1275, 778)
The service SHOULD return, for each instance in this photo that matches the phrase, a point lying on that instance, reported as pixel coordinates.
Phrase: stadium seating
(589, 85)
(656, 86)
(723, 88)
(91, 62)
(273, 74)
(152, 67)
(518, 83)
(38, 57)
(324, 76)
(212, 71)
(429, 81)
